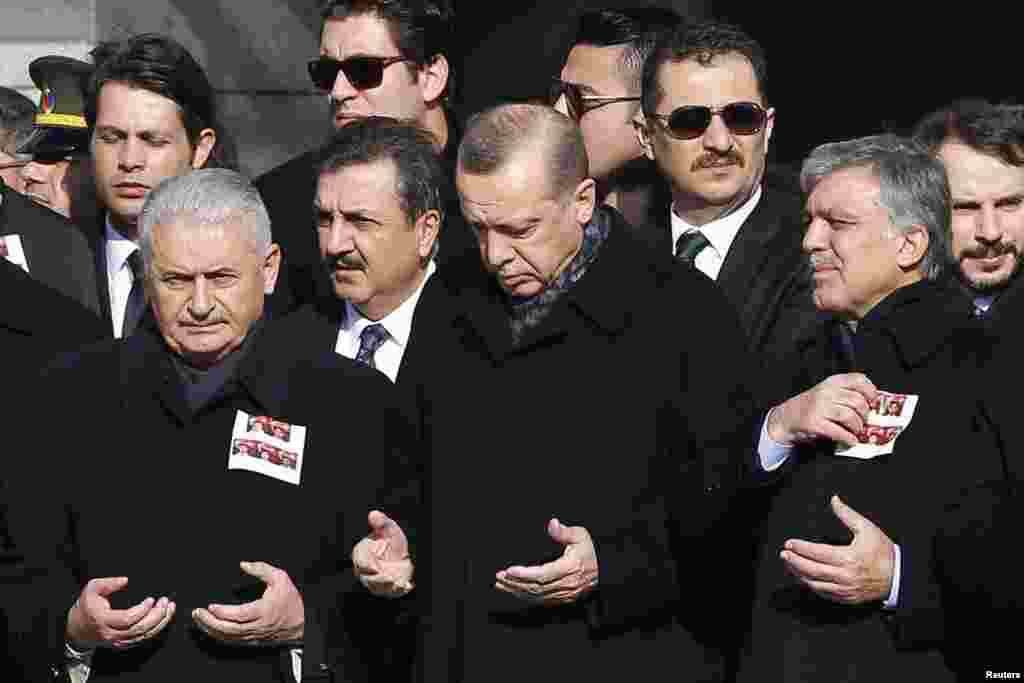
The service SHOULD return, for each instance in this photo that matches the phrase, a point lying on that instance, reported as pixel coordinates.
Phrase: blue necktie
(136, 304)
(370, 339)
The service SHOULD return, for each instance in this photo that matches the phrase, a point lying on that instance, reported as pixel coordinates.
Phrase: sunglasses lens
(743, 118)
(323, 71)
(687, 123)
(364, 73)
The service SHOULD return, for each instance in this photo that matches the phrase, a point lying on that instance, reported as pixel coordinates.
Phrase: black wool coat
(920, 340)
(626, 411)
(125, 480)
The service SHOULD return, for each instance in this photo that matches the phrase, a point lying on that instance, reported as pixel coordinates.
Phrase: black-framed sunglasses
(689, 122)
(362, 73)
(576, 102)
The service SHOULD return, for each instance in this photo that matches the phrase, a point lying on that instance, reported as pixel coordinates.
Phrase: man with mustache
(706, 122)
(376, 58)
(151, 115)
(16, 115)
(982, 147)
(173, 552)
(835, 597)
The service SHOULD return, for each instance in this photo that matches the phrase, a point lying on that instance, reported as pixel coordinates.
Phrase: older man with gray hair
(882, 427)
(217, 512)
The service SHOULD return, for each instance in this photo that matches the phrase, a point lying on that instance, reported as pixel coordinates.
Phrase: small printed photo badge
(267, 446)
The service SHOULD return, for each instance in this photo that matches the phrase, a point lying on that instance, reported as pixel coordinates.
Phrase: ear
(433, 78)
(271, 267)
(427, 227)
(643, 134)
(912, 247)
(585, 199)
(207, 139)
(769, 126)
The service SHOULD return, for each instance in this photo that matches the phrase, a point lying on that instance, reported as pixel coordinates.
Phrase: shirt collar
(397, 323)
(119, 248)
(720, 232)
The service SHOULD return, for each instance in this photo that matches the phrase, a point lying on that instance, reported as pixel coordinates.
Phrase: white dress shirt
(397, 323)
(720, 234)
(119, 273)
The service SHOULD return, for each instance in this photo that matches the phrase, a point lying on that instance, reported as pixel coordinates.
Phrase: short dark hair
(16, 116)
(421, 29)
(419, 175)
(993, 129)
(637, 29)
(496, 136)
(702, 42)
(161, 65)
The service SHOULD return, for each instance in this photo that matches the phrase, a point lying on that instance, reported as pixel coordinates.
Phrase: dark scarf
(528, 312)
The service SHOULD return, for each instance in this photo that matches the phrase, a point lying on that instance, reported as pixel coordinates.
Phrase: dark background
(835, 70)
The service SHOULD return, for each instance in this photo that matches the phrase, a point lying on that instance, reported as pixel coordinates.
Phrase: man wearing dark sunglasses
(16, 114)
(376, 58)
(706, 123)
(599, 88)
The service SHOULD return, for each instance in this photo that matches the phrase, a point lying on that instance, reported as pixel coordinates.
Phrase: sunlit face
(856, 253)
(988, 215)
(206, 287)
(138, 141)
(607, 130)
(375, 258)
(715, 169)
(11, 168)
(60, 185)
(527, 236)
(401, 95)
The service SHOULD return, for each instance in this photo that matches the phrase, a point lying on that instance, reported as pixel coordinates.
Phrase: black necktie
(689, 245)
(370, 339)
(136, 297)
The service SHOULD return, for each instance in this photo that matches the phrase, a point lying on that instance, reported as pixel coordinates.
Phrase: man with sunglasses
(376, 58)
(42, 241)
(599, 88)
(706, 123)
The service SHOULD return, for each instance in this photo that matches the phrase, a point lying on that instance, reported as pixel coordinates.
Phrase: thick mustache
(350, 261)
(991, 251)
(715, 159)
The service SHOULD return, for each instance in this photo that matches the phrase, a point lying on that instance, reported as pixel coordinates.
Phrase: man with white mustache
(833, 589)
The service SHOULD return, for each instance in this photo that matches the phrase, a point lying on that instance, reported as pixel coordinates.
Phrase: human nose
(336, 238)
(988, 228)
(130, 155)
(815, 236)
(496, 250)
(201, 303)
(342, 90)
(717, 137)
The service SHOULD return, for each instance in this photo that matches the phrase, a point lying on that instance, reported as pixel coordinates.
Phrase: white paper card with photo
(888, 416)
(11, 249)
(267, 446)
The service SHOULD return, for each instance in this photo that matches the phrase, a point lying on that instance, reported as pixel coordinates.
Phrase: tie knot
(370, 339)
(689, 245)
(136, 265)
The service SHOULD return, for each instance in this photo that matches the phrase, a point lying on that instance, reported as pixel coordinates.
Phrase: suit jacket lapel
(98, 245)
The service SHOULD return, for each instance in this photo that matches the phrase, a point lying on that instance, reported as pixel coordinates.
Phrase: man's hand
(92, 623)
(836, 408)
(276, 618)
(850, 574)
(381, 560)
(562, 582)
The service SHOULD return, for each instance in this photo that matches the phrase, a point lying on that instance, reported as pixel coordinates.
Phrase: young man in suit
(599, 88)
(151, 115)
(707, 123)
(376, 58)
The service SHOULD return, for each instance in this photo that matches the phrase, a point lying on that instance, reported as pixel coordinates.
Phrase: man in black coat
(982, 148)
(376, 59)
(884, 426)
(582, 449)
(53, 250)
(707, 124)
(197, 519)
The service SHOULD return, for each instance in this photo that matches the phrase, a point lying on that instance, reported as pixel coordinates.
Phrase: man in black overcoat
(582, 448)
(155, 530)
(833, 590)
(707, 122)
(57, 254)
